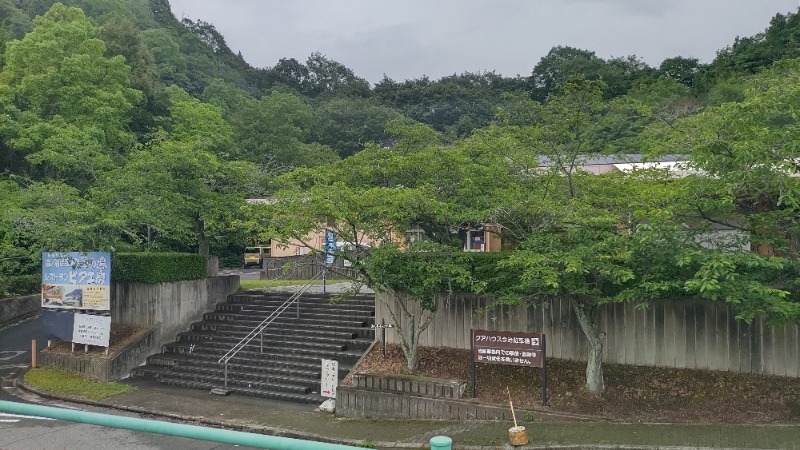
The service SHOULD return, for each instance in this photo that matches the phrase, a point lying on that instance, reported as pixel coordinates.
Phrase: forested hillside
(124, 128)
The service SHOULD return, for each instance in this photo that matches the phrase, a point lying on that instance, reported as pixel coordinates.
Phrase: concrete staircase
(285, 362)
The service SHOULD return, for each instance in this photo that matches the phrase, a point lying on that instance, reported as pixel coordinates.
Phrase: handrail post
(261, 347)
(226, 373)
(297, 304)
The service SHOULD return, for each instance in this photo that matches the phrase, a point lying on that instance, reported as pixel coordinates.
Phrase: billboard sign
(75, 280)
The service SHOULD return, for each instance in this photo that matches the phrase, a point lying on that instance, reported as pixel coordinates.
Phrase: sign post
(330, 378)
(509, 348)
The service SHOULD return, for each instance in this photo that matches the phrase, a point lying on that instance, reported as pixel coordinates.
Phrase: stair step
(288, 327)
(241, 374)
(259, 364)
(285, 319)
(227, 329)
(289, 367)
(272, 354)
(270, 337)
(263, 393)
(302, 371)
(218, 381)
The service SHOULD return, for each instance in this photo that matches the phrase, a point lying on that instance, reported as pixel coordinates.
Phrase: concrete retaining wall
(173, 306)
(102, 368)
(18, 308)
(670, 333)
(165, 309)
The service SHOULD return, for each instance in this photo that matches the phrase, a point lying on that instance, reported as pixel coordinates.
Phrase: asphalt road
(244, 274)
(15, 347)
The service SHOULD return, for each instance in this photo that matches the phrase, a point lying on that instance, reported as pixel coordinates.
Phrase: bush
(12, 286)
(157, 267)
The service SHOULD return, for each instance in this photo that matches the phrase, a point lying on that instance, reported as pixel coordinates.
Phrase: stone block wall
(395, 397)
(18, 308)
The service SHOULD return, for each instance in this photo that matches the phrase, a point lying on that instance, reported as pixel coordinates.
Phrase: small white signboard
(92, 330)
(330, 378)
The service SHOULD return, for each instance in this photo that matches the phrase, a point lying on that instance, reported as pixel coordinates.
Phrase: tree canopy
(125, 128)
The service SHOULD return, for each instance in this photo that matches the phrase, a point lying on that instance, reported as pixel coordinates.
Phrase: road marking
(18, 417)
(14, 366)
(15, 354)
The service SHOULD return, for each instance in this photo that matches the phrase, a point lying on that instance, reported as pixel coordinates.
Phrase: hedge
(157, 267)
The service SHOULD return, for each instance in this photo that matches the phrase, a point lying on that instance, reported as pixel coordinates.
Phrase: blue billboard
(75, 280)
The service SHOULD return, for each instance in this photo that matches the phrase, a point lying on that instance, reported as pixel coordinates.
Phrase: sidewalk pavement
(303, 421)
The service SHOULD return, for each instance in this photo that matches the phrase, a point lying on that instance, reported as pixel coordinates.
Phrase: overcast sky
(406, 39)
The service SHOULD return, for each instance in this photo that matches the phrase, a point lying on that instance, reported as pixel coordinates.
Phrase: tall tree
(182, 194)
(347, 124)
(562, 63)
(275, 130)
(68, 104)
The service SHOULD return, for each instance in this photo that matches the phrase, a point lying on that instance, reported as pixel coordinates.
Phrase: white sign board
(92, 330)
(330, 378)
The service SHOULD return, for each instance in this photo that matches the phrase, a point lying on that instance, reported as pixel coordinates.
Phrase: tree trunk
(594, 362)
(410, 331)
(202, 239)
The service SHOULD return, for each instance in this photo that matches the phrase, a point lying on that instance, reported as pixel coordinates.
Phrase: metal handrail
(259, 329)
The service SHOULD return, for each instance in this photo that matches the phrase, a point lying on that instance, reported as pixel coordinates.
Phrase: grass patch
(266, 284)
(57, 381)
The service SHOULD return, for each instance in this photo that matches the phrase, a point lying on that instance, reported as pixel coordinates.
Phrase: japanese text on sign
(91, 329)
(75, 280)
(505, 347)
(330, 378)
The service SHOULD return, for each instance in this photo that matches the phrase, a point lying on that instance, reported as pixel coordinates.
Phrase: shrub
(157, 267)
(12, 286)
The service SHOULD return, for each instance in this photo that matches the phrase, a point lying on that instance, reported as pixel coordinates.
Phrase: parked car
(254, 256)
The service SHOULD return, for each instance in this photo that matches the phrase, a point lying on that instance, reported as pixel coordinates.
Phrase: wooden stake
(33, 354)
(512, 407)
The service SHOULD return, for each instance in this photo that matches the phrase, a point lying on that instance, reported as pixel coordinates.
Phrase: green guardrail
(172, 429)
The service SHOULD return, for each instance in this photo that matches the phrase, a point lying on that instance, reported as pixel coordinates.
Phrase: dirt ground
(121, 337)
(633, 393)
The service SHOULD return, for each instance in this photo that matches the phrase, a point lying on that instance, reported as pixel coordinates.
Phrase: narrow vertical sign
(330, 378)
(329, 248)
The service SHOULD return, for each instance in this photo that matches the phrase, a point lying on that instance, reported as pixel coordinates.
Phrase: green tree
(421, 272)
(274, 130)
(326, 76)
(747, 150)
(562, 63)
(577, 233)
(347, 124)
(374, 197)
(683, 70)
(68, 105)
(200, 124)
(183, 195)
(40, 217)
(748, 55)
